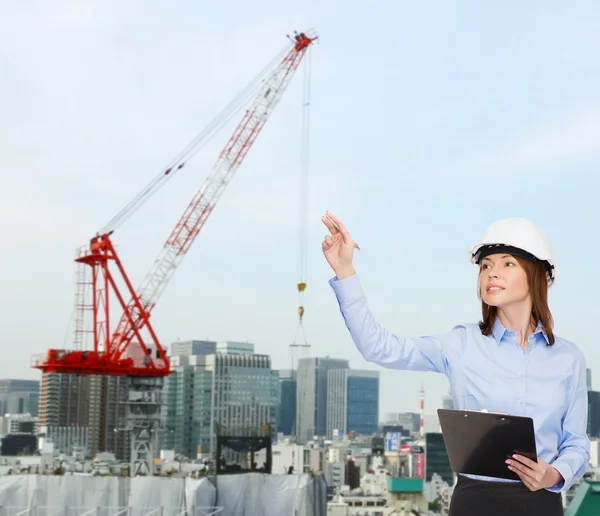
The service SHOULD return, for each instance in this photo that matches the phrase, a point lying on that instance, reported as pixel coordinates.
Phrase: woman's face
(502, 281)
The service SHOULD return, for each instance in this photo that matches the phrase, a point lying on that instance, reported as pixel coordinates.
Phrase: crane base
(144, 423)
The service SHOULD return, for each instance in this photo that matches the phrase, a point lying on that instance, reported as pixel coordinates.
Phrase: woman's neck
(518, 319)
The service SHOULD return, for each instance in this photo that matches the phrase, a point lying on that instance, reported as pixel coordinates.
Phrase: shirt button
(521, 401)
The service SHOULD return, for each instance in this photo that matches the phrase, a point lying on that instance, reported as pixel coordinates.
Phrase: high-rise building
(588, 375)
(235, 348)
(311, 396)
(593, 422)
(236, 389)
(245, 392)
(19, 397)
(95, 402)
(193, 347)
(107, 422)
(188, 406)
(286, 422)
(436, 458)
(60, 400)
(352, 401)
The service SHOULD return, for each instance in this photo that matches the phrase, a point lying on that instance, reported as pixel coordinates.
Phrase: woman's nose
(492, 273)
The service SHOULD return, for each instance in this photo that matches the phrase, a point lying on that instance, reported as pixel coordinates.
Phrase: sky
(429, 120)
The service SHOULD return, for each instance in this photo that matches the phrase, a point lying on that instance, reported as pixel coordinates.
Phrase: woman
(510, 362)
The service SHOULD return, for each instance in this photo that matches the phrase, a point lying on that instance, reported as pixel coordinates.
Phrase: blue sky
(429, 121)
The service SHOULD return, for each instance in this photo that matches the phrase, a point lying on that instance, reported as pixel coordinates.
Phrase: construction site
(111, 381)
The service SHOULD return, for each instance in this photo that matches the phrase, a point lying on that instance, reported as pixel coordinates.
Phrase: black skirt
(481, 497)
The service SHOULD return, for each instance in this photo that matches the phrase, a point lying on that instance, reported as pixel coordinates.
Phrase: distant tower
(422, 420)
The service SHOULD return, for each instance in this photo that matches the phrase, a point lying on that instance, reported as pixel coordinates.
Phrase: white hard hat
(519, 237)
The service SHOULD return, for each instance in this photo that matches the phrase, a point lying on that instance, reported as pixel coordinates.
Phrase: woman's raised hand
(338, 247)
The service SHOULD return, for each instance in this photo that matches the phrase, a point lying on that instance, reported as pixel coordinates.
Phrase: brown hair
(538, 288)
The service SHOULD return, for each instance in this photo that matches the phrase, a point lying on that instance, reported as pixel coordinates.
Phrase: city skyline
(434, 398)
(384, 415)
(419, 139)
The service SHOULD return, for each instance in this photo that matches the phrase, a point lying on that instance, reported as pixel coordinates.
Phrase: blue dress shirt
(546, 383)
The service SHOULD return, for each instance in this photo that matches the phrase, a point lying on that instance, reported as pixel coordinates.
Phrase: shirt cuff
(348, 289)
(565, 471)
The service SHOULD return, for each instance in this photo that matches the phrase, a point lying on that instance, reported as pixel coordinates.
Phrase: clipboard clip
(486, 412)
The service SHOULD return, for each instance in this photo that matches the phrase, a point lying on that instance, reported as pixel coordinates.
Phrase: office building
(436, 458)
(245, 392)
(311, 396)
(193, 347)
(18, 424)
(236, 389)
(187, 396)
(286, 422)
(593, 422)
(235, 348)
(352, 402)
(188, 406)
(19, 397)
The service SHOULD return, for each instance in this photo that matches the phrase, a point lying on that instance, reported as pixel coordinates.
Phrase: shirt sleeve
(380, 346)
(574, 448)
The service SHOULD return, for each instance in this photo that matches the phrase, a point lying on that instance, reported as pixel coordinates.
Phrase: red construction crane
(125, 351)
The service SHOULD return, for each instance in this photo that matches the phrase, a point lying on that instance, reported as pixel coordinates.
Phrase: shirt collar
(499, 330)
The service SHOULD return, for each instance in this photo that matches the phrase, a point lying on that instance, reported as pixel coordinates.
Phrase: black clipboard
(478, 443)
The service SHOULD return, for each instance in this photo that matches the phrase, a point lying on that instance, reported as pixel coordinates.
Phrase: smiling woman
(511, 361)
(519, 274)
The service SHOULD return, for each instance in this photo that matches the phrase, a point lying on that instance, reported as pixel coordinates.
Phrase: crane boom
(112, 351)
(206, 197)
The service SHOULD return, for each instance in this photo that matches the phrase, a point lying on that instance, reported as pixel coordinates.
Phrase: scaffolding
(237, 448)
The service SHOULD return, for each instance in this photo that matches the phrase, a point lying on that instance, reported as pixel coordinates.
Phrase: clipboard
(478, 443)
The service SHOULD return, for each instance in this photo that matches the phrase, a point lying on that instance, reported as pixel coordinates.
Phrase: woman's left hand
(535, 475)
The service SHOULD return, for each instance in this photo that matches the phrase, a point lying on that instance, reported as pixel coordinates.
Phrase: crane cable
(176, 164)
(303, 205)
